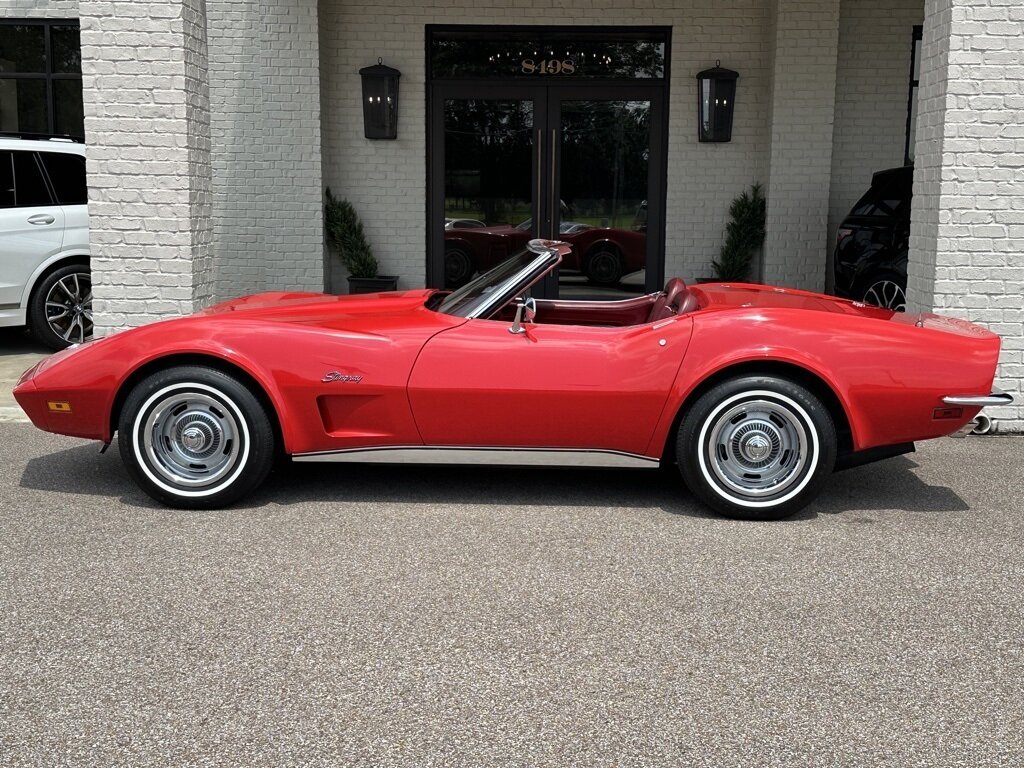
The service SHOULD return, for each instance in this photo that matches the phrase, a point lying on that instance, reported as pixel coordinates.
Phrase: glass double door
(579, 163)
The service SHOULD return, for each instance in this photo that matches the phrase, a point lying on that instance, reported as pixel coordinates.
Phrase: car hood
(318, 307)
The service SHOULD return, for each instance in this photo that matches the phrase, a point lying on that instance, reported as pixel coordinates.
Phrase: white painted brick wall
(802, 108)
(967, 242)
(39, 9)
(236, 132)
(147, 123)
(872, 86)
(290, 158)
(267, 181)
(385, 180)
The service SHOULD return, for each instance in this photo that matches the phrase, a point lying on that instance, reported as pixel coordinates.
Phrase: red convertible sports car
(756, 393)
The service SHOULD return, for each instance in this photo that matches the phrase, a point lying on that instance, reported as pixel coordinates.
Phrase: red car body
(382, 370)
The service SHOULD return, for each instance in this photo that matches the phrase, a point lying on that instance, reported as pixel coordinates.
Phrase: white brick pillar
(265, 130)
(147, 125)
(967, 227)
(805, 40)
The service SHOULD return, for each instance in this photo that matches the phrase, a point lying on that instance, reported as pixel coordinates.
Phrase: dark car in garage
(872, 242)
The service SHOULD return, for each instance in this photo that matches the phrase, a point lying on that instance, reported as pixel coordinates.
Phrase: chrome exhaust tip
(982, 425)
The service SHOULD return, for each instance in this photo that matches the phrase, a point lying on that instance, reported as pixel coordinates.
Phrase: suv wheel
(885, 289)
(60, 311)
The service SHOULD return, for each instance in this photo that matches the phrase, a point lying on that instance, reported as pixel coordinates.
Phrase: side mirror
(526, 311)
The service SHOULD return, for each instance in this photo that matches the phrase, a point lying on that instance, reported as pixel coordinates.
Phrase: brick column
(967, 228)
(805, 39)
(147, 125)
(265, 126)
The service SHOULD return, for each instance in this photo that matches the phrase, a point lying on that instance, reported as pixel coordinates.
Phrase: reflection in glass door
(508, 164)
(488, 187)
(603, 158)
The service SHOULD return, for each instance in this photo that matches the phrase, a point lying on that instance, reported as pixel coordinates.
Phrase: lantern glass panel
(716, 93)
(380, 102)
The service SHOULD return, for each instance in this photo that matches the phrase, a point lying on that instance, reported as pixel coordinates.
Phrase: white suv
(44, 239)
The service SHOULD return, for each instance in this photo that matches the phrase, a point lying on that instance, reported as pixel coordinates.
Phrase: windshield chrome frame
(547, 257)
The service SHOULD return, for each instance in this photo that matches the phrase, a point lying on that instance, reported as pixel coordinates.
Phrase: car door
(66, 172)
(557, 386)
(31, 226)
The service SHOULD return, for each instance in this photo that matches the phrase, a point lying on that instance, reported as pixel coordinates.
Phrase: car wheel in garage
(756, 447)
(195, 437)
(885, 289)
(60, 311)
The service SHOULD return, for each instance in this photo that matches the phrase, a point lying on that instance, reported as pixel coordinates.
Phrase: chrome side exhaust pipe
(982, 424)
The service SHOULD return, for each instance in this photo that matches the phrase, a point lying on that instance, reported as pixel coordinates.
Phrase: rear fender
(720, 343)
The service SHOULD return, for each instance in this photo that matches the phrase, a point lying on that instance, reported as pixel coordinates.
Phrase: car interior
(676, 299)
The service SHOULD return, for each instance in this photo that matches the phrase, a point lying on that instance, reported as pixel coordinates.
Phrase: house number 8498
(548, 67)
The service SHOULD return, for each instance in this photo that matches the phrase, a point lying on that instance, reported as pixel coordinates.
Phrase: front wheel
(195, 438)
(756, 447)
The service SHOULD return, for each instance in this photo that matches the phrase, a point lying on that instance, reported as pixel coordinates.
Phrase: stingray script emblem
(338, 376)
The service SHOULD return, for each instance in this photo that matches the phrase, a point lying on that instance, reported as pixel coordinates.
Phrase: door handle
(41, 218)
(556, 208)
(539, 223)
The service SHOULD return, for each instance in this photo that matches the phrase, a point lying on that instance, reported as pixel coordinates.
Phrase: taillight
(842, 234)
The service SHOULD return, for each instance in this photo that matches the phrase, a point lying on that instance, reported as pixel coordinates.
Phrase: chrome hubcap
(758, 448)
(191, 439)
(886, 294)
(69, 308)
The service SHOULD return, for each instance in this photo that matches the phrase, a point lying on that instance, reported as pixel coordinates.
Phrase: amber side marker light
(59, 406)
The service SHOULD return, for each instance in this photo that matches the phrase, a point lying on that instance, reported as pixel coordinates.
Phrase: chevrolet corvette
(756, 394)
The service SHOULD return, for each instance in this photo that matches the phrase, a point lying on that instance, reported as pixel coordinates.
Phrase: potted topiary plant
(345, 234)
(744, 234)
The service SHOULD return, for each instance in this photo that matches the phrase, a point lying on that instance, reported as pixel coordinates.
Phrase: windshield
(505, 280)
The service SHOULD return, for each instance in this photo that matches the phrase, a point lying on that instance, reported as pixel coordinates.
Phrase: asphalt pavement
(411, 616)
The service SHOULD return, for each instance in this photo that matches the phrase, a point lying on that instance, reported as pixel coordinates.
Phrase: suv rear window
(879, 202)
(67, 176)
(29, 188)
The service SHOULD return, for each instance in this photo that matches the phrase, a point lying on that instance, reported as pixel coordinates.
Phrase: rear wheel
(60, 311)
(604, 265)
(195, 438)
(458, 267)
(756, 447)
(885, 289)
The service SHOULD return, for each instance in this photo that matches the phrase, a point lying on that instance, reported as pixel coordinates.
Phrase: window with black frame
(41, 78)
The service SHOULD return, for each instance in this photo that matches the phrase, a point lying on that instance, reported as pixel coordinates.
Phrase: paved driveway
(465, 617)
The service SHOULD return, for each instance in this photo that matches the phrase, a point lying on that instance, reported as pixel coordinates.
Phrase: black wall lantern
(380, 101)
(716, 95)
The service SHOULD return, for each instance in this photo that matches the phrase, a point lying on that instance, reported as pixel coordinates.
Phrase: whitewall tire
(195, 437)
(757, 447)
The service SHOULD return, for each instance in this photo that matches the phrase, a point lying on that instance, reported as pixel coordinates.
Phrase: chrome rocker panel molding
(997, 397)
(515, 457)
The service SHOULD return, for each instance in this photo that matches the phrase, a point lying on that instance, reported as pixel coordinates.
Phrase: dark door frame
(546, 96)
